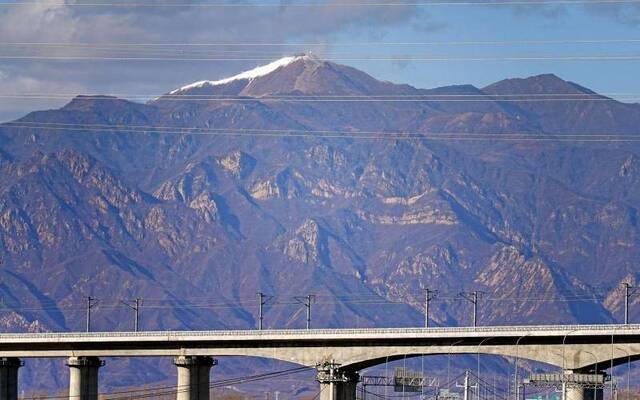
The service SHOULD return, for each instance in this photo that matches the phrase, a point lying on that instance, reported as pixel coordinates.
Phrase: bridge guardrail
(574, 329)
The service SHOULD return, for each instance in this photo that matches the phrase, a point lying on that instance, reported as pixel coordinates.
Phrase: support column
(193, 377)
(575, 392)
(336, 384)
(9, 378)
(572, 392)
(593, 394)
(580, 388)
(83, 377)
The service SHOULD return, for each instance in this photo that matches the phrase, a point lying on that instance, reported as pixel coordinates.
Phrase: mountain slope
(213, 192)
(587, 113)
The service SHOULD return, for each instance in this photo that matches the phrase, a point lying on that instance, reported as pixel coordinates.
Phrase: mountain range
(309, 177)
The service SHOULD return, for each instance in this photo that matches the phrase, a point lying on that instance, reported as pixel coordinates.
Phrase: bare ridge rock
(238, 164)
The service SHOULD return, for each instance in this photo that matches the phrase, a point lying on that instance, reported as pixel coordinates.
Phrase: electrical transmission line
(524, 58)
(174, 389)
(361, 135)
(436, 3)
(324, 44)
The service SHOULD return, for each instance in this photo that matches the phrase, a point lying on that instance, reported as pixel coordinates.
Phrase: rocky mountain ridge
(297, 182)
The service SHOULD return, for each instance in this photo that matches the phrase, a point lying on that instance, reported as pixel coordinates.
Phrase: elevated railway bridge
(338, 354)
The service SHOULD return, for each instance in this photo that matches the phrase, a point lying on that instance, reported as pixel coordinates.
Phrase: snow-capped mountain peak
(247, 75)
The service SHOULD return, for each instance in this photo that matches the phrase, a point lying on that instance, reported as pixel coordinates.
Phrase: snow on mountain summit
(247, 75)
(297, 74)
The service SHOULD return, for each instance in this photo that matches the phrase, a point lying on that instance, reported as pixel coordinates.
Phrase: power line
(173, 389)
(417, 95)
(332, 44)
(368, 299)
(319, 4)
(327, 134)
(227, 382)
(328, 99)
(607, 57)
(593, 290)
(172, 53)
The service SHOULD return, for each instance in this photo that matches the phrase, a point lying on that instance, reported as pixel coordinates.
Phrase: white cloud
(60, 24)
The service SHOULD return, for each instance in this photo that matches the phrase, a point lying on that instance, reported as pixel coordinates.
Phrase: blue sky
(336, 26)
(504, 24)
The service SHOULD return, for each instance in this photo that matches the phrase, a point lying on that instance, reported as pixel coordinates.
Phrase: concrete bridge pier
(593, 394)
(336, 383)
(572, 392)
(83, 377)
(582, 391)
(9, 378)
(193, 377)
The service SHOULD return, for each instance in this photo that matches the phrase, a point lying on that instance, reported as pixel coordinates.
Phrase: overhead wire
(332, 44)
(420, 95)
(306, 4)
(222, 383)
(113, 304)
(174, 389)
(364, 301)
(332, 53)
(434, 388)
(331, 99)
(488, 387)
(368, 135)
(317, 396)
(606, 57)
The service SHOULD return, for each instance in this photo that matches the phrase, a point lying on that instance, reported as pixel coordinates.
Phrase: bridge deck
(349, 345)
(328, 334)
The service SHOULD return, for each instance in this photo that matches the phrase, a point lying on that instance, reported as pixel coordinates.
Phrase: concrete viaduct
(338, 354)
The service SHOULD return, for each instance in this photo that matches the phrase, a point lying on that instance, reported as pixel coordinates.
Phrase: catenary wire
(213, 303)
(146, 128)
(171, 52)
(332, 99)
(137, 4)
(331, 96)
(223, 383)
(369, 135)
(379, 300)
(174, 389)
(333, 44)
(248, 379)
(595, 57)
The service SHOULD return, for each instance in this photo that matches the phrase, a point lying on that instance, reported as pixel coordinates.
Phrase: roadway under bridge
(338, 354)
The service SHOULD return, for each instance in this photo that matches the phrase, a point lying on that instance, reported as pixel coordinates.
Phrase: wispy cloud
(189, 24)
(627, 14)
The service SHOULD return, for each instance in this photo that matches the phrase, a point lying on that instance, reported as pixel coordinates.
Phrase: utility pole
(308, 305)
(262, 300)
(465, 386)
(137, 303)
(628, 292)
(494, 386)
(306, 301)
(429, 295)
(90, 303)
(137, 311)
(473, 297)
